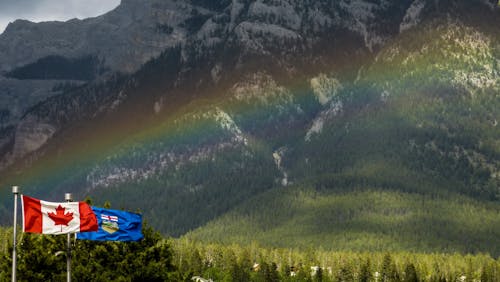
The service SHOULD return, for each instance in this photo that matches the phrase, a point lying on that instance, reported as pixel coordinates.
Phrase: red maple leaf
(60, 218)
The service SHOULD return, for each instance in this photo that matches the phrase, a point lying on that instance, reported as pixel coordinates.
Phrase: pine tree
(42, 258)
(239, 273)
(388, 272)
(364, 272)
(195, 263)
(319, 275)
(273, 275)
(410, 273)
(345, 274)
(302, 274)
(488, 273)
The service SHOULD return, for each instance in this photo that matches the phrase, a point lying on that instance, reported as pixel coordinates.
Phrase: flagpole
(15, 191)
(69, 198)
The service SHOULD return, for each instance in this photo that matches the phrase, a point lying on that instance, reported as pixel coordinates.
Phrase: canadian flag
(57, 218)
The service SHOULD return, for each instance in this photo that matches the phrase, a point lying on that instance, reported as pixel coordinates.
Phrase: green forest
(42, 258)
(361, 220)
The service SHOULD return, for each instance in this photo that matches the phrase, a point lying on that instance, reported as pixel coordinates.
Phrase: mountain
(369, 123)
(387, 162)
(65, 55)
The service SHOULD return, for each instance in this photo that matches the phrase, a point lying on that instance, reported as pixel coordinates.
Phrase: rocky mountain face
(39, 60)
(196, 106)
(124, 38)
(135, 32)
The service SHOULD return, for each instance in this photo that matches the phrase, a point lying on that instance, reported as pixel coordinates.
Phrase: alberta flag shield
(115, 225)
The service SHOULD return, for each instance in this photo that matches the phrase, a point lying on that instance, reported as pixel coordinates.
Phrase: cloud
(50, 10)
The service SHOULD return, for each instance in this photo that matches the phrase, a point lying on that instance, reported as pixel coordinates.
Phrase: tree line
(255, 263)
(42, 258)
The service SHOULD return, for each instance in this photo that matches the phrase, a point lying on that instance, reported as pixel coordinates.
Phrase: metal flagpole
(69, 198)
(15, 191)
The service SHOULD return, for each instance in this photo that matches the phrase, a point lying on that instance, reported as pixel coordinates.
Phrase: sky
(51, 10)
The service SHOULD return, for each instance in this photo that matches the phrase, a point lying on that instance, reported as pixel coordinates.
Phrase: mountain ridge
(243, 110)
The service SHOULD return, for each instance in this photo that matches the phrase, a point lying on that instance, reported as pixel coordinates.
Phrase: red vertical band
(32, 215)
(88, 220)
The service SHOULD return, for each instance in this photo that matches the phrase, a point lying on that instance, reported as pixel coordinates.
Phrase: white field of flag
(109, 217)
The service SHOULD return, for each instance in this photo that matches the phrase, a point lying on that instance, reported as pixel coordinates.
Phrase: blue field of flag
(115, 225)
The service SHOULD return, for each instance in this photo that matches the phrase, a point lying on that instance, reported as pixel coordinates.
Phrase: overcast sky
(50, 10)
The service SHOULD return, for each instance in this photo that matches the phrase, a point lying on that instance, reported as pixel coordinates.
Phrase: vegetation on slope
(42, 258)
(251, 262)
(57, 67)
(361, 220)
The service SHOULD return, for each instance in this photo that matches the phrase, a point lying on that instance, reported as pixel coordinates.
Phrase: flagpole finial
(68, 197)
(15, 189)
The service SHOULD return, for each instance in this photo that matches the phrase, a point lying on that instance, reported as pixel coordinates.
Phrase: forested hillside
(405, 158)
(347, 125)
(361, 219)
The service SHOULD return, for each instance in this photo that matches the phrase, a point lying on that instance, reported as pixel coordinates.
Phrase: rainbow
(70, 156)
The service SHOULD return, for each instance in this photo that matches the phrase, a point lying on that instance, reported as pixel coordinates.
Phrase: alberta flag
(115, 225)
(57, 218)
